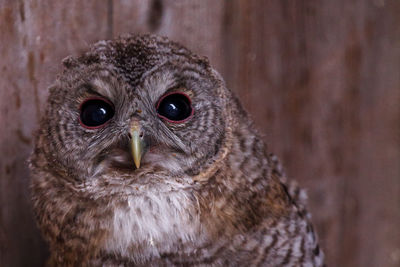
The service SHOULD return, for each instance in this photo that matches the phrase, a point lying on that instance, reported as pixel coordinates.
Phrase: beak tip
(137, 164)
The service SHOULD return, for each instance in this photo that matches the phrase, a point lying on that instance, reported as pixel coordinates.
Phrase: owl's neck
(243, 189)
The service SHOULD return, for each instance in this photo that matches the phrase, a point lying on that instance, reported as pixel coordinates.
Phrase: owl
(143, 157)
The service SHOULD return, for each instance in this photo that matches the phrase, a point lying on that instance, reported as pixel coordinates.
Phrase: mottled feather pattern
(206, 194)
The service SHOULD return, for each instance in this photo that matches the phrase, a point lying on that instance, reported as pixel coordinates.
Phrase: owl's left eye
(95, 113)
(175, 107)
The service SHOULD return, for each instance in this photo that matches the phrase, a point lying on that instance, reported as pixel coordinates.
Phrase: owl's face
(133, 107)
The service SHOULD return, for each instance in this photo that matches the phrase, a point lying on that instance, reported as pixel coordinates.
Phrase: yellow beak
(137, 144)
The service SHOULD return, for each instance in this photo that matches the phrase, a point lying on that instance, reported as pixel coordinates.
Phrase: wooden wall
(321, 79)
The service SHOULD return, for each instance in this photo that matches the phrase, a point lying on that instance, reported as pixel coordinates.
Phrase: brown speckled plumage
(207, 192)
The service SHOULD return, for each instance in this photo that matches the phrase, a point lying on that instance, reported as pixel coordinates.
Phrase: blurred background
(320, 78)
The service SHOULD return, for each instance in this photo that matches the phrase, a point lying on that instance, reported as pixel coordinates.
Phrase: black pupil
(96, 112)
(175, 107)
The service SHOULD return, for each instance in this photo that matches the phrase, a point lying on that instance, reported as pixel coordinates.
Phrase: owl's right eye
(95, 112)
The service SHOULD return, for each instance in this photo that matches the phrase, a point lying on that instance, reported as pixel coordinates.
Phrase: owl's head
(138, 111)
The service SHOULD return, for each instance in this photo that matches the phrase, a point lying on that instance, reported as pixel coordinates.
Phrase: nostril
(129, 135)
(141, 135)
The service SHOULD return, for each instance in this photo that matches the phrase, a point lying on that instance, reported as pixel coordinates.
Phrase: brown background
(321, 79)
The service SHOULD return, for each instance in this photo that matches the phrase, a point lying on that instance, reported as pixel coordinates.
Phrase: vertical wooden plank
(35, 36)
(131, 16)
(379, 160)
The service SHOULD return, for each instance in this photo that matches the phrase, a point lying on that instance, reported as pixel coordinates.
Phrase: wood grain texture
(320, 78)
